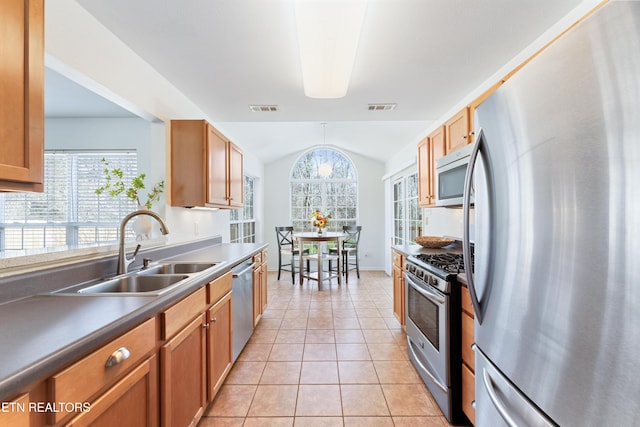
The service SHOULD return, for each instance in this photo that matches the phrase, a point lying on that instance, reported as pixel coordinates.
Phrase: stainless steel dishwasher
(242, 305)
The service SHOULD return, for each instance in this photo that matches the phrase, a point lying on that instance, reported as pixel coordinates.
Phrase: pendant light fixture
(328, 35)
(324, 168)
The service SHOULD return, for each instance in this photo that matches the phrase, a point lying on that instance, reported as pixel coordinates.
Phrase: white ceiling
(424, 55)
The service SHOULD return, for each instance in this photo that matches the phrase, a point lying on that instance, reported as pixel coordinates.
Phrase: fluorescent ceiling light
(328, 34)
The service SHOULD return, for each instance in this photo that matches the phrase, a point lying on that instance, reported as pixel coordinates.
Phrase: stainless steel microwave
(450, 175)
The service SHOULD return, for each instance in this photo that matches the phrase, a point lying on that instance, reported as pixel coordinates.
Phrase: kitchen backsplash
(445, 222)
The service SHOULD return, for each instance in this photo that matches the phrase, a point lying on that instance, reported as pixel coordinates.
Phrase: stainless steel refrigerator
(556, 284)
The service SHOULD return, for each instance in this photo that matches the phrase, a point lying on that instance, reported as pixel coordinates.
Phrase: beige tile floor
(324, 358)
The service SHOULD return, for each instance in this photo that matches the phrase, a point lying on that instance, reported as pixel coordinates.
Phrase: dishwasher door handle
(236, 275)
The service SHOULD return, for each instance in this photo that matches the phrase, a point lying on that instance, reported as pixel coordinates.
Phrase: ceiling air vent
(382, 107)
(263, 108)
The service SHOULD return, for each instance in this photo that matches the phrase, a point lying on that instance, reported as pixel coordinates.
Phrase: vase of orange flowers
(319, 221)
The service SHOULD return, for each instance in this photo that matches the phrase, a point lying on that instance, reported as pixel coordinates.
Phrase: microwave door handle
(466, 209)
(428, 294)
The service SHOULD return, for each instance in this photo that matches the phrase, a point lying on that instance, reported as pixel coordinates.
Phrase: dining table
(320, 275)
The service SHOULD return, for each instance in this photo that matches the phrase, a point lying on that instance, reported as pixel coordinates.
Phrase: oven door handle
(424, 368)
(427, 293)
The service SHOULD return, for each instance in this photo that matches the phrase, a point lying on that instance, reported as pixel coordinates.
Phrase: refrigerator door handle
(488, 385)
(466, 205)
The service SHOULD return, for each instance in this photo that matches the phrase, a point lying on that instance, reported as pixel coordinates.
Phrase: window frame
(324, 183)
(411, 220)
(74, 181)
(245, 228)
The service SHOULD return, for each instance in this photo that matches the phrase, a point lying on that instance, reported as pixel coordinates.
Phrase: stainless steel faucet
(123, 260)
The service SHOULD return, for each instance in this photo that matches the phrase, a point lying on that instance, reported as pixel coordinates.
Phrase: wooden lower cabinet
(260, 271)
(15, 412)
(183, 394)
(468, 356)
(132, 402)
(86, 380)
(219, 344)
(398, 287)
(468, 393)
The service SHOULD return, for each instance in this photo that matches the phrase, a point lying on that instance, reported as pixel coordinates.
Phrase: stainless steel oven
(433, 332)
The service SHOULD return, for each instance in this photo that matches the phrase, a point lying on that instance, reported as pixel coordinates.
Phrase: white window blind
(68, 212)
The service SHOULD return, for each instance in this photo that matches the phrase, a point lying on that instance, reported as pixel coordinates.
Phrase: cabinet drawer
(398, 259)
(257, 258)
(468, 393)
(85, 378)
(16, 412)
(175, 317)
(467, 340)
(218, 288)
(467, 306)
(131, 401)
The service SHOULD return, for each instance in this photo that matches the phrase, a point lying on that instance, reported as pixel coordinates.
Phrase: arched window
(324, 179)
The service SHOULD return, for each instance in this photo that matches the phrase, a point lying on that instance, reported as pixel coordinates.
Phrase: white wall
(82, 49)
(448, 221)
(370, 209)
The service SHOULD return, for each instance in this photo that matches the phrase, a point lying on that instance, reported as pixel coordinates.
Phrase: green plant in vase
(115, 186)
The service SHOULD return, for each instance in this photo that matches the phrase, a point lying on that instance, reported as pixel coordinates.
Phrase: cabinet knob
(120, 355)
(214, 320)
(206, 326)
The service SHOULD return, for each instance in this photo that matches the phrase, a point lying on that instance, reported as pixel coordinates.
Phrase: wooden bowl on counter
(433, 242)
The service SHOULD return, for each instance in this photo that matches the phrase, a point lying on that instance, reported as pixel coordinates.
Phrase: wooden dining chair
(350, 258)
(287, 248)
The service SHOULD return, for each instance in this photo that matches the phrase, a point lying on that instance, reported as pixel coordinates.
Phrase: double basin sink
(156, 279)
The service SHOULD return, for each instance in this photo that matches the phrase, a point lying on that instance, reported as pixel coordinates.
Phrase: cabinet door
(457, 131)
(182, 367)
(22, 95)
(468, 393)
(263, 287)
(398, 294)
(236, 176)
(429, 150)
(424, 173)
(220, 350)
(257, 295)
(217, 162)
(131, 402)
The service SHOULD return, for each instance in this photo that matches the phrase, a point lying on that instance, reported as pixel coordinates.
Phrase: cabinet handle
(214, 320)
(206, 326)
(120, 355)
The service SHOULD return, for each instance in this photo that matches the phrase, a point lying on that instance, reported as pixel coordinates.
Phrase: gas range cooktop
(444, 265)
(451, 263)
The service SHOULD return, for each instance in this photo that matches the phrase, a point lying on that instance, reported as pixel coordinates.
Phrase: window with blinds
(68, 212)
(242, 222)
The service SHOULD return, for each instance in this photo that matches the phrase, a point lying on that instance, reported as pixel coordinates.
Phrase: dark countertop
(43, 333)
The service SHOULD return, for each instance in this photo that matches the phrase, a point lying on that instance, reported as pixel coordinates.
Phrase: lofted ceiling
(423, 55)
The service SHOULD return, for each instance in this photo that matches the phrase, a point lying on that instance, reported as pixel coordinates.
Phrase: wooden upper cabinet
(22, 95)
(236, 176)
(206, 168)
(217, 168)
(429, 150)
(457, 131)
